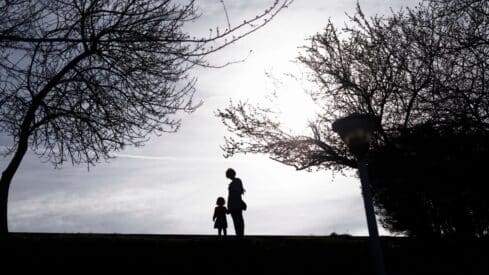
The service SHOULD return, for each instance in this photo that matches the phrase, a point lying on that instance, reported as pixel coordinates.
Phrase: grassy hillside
(167, 254)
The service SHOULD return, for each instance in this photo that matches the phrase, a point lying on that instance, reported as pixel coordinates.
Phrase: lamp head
(356, 131)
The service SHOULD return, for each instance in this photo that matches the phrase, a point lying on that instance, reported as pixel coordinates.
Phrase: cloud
(145, 157)
(179, 159)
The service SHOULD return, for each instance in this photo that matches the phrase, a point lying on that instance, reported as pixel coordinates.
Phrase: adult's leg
(241, 224)
(233, 216)
(238, 222)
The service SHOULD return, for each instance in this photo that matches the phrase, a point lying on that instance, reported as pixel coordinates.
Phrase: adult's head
(230, 173)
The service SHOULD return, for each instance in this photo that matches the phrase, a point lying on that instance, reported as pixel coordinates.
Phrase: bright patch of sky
(170, 185)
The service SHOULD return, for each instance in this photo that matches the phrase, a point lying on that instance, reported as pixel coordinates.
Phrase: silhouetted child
(219, 217)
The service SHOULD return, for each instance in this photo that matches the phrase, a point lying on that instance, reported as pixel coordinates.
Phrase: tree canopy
(431, 183)
(83, 78)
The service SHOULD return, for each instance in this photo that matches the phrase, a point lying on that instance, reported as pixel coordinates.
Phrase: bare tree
(425, 65)
(82, 78)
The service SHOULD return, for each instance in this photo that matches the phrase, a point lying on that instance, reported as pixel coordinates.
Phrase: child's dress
(220, 216)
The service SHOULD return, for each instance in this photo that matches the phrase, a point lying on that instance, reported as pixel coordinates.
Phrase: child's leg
(225, 233)
(219, 231)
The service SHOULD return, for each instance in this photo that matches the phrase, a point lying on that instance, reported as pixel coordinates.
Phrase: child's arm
(215, 215)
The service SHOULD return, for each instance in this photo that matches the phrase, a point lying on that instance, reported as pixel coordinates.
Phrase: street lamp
(356, 131)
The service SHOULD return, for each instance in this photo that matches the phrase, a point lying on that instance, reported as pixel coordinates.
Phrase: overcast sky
(170, 185)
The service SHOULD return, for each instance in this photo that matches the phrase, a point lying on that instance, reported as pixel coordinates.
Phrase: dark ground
(177, 254)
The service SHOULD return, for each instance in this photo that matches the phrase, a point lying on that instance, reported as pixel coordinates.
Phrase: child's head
(220, 201)
(230, 173)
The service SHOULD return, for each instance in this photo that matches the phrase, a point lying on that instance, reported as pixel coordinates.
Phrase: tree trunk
(5, 181)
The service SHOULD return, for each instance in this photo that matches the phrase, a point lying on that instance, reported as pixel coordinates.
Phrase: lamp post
(356, 131)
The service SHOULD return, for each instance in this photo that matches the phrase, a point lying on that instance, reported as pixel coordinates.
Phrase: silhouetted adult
(235, 202)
